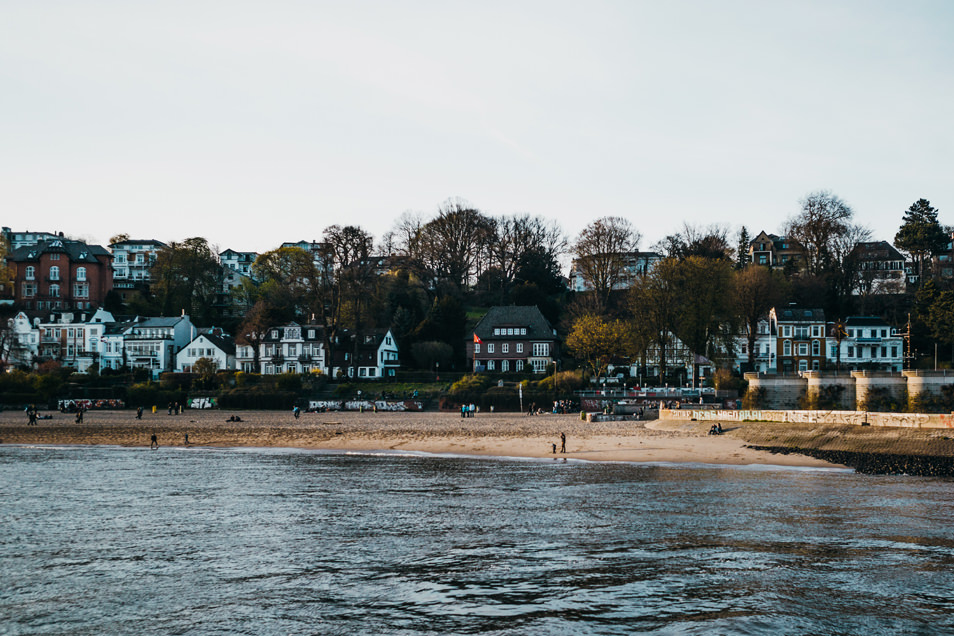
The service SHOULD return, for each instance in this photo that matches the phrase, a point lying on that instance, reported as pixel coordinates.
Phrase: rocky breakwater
(867, 449)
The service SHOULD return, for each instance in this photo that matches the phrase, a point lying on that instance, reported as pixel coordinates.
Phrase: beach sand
(508, 435)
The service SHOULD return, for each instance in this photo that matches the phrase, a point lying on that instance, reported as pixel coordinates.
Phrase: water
(205, 541)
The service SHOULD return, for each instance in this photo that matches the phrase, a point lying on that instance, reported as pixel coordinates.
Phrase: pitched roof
(528, 316)
(800, 314)
(76, 251)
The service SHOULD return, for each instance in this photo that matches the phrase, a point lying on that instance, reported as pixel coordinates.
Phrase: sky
(255, 123)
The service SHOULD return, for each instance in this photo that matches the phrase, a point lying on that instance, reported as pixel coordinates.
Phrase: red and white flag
(477, 340)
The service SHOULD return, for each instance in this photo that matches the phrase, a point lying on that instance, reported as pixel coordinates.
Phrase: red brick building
(60, 274)
(507, 339)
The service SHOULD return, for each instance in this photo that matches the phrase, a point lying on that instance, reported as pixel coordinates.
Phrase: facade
(60, 274)
(152, 343)
(17, 240)
(240, 262)
(370, 356)
(213, 345)
(880, 268)
(801, 338)
(774, 251)
(132, 263)
(20, 343)
(765, 349)
(507, 339)
(636, 265)
(868, 343)
(292, 348)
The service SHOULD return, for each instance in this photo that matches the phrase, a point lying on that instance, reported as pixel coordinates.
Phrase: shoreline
(509, 435)
(488, 435)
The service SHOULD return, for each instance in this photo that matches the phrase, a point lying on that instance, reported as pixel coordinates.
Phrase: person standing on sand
(562, 442)
(297, 412)
(154, 443)
(139, 413)
(79, 414)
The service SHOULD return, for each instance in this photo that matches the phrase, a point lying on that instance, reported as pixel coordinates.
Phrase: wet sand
(510, 435)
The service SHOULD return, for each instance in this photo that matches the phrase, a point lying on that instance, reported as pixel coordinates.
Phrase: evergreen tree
(921, 235)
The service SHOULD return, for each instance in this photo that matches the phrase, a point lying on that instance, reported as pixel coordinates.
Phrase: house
(634, 264)
(132, 263)
(19, 344)
(801, 336)
(72, 338)
(212, 344)
(880, 268)
(16, 240)
(292, 348)
(867, 343)
(152, 343)
(240, 262)
(764, 347)
(371, 354)
(506, 339)
(60, 274)
(771, 250)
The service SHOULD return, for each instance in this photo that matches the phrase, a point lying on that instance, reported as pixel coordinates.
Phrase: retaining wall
(907, 420)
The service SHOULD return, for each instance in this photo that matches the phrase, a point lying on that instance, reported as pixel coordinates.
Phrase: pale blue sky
(253, 123)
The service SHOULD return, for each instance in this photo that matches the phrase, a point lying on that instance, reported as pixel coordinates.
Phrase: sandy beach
(510, 435)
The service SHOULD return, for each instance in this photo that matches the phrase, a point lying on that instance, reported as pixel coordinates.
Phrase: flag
(477, 340)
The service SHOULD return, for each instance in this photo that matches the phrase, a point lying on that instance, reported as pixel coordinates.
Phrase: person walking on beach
(31, 412)
(186, 439)
(154, 443)
(139, 413)
(562, 442)
(297, 412)
(79, 414)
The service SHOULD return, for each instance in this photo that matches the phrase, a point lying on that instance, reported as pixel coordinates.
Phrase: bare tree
(823, 220)
(757, 290)
(602, 251)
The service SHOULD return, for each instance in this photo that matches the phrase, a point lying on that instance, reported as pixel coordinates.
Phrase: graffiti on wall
(73, 405)
(202, 403)
(365, 405)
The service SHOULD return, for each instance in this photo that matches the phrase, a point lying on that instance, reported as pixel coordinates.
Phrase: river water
(103, 540)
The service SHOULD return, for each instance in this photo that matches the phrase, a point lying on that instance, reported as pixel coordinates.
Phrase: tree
(757, 290)
(596, 342)
(289, 282)
(921, 234)
(602, 251)
(205, 369)
(185, 278)
(654, 304)
(742, 257)
(823, 217)
(6, 272)
(119, 238)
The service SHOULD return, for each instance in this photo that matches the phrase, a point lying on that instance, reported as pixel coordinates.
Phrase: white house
(292, 348)
(213, 345)
(373, 355)
(20, 343)
(867, 343)
(765, 349)
(152, 343)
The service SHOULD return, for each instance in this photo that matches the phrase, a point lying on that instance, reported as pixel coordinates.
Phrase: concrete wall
(907, 420)
(782, 392)
(866, 381)
(821, 383)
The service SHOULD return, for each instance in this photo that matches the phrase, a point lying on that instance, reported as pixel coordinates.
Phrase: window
(851, 351)
(803, 365)
(29, 289)
(30, 273)
(54, 257)
(496, 331)
(505, 347)
(54, 273)
(787, 348)
(476, 348)
(81, 290)
(884, 352)
(786, 331)
(541, 349)
(816, 348)
(490, 347)
(519, 347)
(803, 348)
(54, 291)
(490, 365)
(523, 331)
(505, 365)
(80, 273)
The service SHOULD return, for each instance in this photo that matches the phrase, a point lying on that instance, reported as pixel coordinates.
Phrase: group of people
(715, 429)
(468, 410)
(562, 444)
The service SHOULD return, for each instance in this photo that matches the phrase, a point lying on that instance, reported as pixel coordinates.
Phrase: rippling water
(205, 541)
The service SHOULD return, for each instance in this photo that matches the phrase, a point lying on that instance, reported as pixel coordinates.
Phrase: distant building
(800, 334)
(635, 265)
(60, 274)
(370, 355)
(775, 251)
(868, 343)
(240, 262)
(880, 268)
(291, 348)
(132, 264)
(508, 338)
(17, 240)
(212, 344)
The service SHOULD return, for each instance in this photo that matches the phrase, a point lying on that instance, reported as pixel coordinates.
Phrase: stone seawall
(859, 418)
